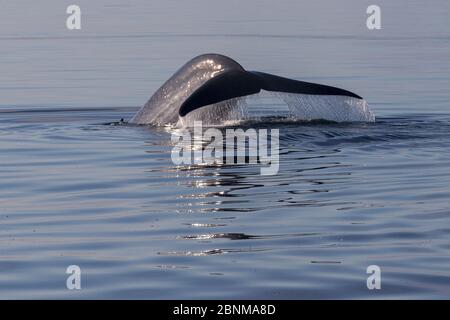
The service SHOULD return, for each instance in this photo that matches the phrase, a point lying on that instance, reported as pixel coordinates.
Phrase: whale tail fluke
(214, 88)
(239, 83)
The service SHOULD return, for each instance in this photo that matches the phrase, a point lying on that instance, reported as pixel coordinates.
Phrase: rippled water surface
(75, 188)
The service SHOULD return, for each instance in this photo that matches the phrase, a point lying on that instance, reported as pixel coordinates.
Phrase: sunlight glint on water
(77, 186)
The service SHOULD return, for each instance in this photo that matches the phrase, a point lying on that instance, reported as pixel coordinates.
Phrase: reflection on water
(237, 181)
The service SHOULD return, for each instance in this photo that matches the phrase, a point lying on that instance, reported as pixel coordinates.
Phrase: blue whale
(213, 83)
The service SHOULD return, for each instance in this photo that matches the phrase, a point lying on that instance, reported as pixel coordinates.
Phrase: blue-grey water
(77, 191)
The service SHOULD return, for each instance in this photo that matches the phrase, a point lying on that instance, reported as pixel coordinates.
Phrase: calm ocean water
(76, 190)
